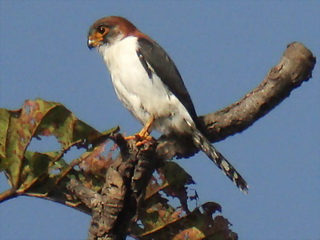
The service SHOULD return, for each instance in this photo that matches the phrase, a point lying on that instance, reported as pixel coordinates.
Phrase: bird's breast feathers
(142, 91)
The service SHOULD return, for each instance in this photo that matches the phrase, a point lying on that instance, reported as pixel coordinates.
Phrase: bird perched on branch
(148, 83)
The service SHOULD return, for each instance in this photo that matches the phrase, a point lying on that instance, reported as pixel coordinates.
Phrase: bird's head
(109, 30)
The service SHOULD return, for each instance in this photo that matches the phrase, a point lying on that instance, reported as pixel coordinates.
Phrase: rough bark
(123, 191)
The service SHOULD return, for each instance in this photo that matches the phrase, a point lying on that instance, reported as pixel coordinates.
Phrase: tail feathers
(204, 145)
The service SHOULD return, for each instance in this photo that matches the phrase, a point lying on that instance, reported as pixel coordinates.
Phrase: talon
(144, 141)
(144, 135)
(127, 138)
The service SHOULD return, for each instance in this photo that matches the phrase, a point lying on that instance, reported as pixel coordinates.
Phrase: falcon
(149, 85)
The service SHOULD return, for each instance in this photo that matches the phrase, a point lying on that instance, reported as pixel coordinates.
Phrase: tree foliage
(47, 175)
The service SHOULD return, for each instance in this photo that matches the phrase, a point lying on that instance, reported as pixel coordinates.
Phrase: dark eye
(102, 29)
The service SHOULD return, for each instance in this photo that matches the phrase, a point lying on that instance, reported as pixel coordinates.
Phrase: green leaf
(25, 169)
(4, 124)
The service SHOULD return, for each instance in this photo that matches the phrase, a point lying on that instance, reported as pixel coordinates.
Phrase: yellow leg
(143, 135)
(145, 130)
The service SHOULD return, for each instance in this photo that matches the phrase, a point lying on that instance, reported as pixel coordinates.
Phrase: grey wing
(153, 54)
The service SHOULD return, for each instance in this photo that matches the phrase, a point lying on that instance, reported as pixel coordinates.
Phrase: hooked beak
(93, 43)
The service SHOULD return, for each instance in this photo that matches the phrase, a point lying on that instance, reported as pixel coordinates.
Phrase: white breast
(144, 97)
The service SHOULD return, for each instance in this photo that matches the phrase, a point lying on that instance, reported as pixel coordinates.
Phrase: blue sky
(223, 49)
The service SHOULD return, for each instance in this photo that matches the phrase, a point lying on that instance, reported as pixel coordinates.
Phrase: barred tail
(204, 145)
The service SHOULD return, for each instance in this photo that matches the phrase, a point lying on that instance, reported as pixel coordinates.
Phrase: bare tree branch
(294, 68)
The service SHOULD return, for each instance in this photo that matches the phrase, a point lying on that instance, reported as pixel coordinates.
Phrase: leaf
(4, 123)
(24, 169)
(199, 224)
(173, 181)
(157, 213)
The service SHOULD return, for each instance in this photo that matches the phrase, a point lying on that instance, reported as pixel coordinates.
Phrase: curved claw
(144, 141)
(144, 135)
